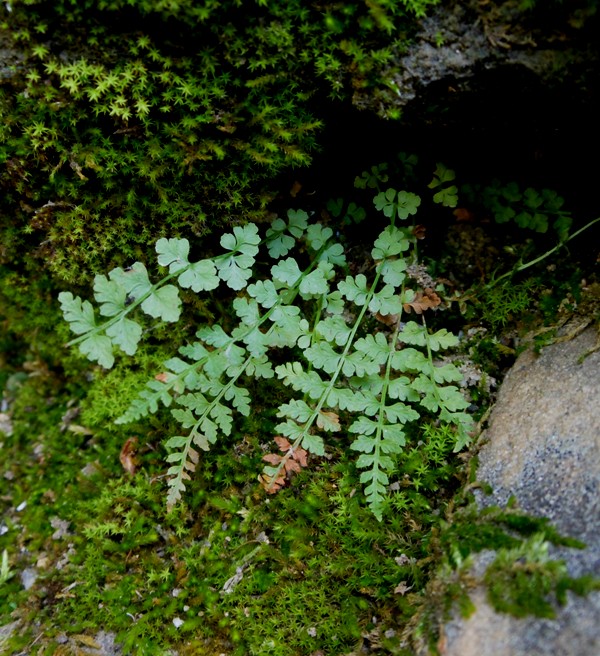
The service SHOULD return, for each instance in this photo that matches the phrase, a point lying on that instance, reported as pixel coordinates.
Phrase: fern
(344, 375)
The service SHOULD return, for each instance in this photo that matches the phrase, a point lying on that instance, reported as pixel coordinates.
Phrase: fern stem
(540, 258)
(137, 302)
(334, 377)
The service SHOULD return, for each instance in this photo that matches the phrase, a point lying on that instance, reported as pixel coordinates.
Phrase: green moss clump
(114, 135)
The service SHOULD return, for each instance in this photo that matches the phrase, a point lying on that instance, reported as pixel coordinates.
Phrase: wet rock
(543, 447)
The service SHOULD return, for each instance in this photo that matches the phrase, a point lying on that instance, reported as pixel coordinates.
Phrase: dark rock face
(10, 59)
(494, 90)
(543, 447)
(467, 39)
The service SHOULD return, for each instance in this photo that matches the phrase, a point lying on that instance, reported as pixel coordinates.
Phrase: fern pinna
(354, 365)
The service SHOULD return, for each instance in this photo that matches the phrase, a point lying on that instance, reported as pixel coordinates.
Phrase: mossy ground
(99, 163)
(233, 570)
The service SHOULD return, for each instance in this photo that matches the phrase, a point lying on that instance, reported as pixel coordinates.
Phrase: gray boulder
(543, 447)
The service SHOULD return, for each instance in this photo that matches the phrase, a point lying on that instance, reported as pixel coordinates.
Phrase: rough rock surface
(464, 40)
(543, 447)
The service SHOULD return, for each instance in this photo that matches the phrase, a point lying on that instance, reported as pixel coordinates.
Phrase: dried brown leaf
(271, 486)
(402, 588)
(127, 456)
(300, 457)
(86, 640)
(328, 421)
(292, 465)
(463, 214)
(419, 231)
(387, 319)
(273, 458)
(282, 443)
(296, 187)
(423, 301)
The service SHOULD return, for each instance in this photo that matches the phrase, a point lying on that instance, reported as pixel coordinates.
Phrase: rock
(10, 59)
(103, 645)
(464, 40)
(6, 631)
(28, 578)
(5, 424)
(543, 447)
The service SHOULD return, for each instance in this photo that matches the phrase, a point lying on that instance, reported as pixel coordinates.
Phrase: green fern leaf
(173, 253)
(298, 222)
(293, 375)
(400, 413)
(98, 348)
(235, 270)
(264, 292)
(355, 289)
(79, 314)
(386, 301)
(278, 243)
(296, 409)
(110, 295)
(316, 282)
(317, 236)
(393, 271)
(333, 254)
(286, 272)
(163, 303)
(147, 402)
(322, 356)
(288, 327)
(260, 367)
(245, 240)
(199, 276)
(134, 280)
(391, 242)
(410, 360)
(126, 334)
(334, 329)
(447, 373)
(247, 310)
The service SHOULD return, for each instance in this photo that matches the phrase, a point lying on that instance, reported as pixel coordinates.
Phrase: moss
(116, 136)
(237, 570)
(107, 147)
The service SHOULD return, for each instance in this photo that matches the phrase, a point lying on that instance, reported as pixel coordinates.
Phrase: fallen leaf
(423, 301)
(402, 588)
(162, 378)
(419, 231)
(292, 465)
(387, 319)
(293, 460)
(79, 430)
(300, 457)
(127, 455)
(295, 189)
(271, 485)
(463, 214)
